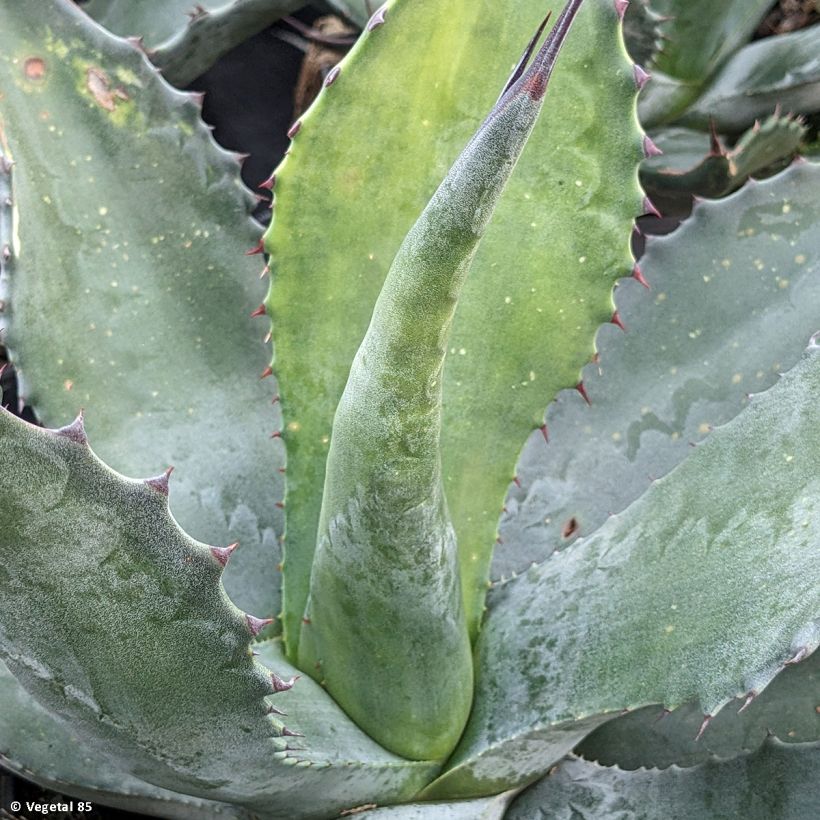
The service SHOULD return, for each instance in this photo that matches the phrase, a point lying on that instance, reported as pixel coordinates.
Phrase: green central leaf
(528, 312)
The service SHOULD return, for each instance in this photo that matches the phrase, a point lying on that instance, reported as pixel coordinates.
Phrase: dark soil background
(252, 95)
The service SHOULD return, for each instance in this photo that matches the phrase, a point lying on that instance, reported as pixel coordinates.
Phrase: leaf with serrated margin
(694, 164)
(529, 310)
(702, 590)
(127, 291)
(733, 295)
(116, 620)
(777, 782)
(789, 708)
(202, 37)
(38, 746)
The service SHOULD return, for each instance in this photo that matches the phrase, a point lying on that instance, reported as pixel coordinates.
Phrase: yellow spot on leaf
(98, 84)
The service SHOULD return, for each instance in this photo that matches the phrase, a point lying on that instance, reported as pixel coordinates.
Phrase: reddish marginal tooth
(6, 253)
(260, 311)
(616, 320)
(638, 275)
(516, 481)
(260, 248)
(798, 656)
(275, 399)
(222, 554)
(332, 76)
(160, 482)
(583, 391)
(280, 505)
(641, 77)
(256, 625)
(621, 6)
(649, 147)
(290, 733)
(649, 207)
(664, 713)
(378, 18)
(707, 719)
(272, 710)
(283, 469)
(749, 698)
(74, 431)
(294, 129)
(277, 434)
(498, 540)
(265, 272)
(545, 432)
(268, 371)
(198, 98)
(269, 183)
(280, 685)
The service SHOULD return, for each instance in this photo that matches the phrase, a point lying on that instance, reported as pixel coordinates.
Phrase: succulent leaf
(528, 310)
(155, 21)
(702, 589)
(110, 307)
(134, 641)
(40, 747)
(690, 165)
(209, 35)
(777, 782)
(385, 600)
(775, 73)
(137, 647)
(693, 49)
(648, 738)
(732, 298)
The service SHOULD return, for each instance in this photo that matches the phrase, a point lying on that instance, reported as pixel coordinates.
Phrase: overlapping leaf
(787, 708)
(692, 52)
(136, 646)
(777, 72)
(733, 297)
(127, 291)
(694, 165)
(777, 782)
(40, 747)
(700, 590)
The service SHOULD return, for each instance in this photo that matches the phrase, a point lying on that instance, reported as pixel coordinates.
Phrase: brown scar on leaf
(570, 528)
(98, 84)
(34, 68)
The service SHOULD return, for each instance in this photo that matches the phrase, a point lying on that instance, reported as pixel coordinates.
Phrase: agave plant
(476, 609)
